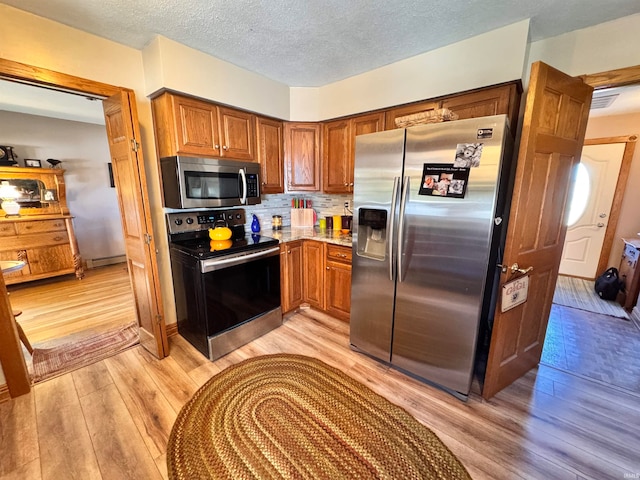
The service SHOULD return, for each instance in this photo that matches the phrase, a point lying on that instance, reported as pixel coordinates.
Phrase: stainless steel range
(227, 293)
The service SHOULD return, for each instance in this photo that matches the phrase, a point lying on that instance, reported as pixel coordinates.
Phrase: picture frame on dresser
(49, 195)
(32, 162)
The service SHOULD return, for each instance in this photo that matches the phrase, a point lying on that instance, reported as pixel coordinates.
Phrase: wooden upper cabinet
(392, 114)
(270, 154)
(337, 164)
(237, 134)
(302, 156)
(338, 149)
(369, 123)
(503, 99)
(188, 126)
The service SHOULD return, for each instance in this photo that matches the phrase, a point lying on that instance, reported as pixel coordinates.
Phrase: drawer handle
(57, 239)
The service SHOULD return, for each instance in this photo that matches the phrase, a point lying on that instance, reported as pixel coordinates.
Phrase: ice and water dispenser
(372, 233)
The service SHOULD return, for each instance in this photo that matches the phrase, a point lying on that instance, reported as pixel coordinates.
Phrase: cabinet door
(302, 156)
(504, 99)
(196, 125)
(338, 290)
(270, 154)
(391, 115)
(291, 272)
(337, 163)
(56, 258)
(313, 273)
(362, 125)
(370, 123)
(237, 135)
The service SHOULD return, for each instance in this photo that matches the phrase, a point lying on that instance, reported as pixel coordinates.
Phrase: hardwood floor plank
(170, 378)
(197, 366)
(161, 463)
(18, 434)
(147, 406)
(29, 471)
(119, 447)
(66, 450)
(91, 378)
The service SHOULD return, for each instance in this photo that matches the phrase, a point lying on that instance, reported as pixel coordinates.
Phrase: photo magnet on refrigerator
(444, 180)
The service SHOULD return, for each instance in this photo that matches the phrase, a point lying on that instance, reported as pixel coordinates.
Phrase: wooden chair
(21, 334)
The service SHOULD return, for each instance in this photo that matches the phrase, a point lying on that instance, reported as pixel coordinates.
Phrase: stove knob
(189, 220)
(178, 221)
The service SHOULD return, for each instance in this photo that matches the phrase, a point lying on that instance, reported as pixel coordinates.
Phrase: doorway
(57, 311)
(586, 344)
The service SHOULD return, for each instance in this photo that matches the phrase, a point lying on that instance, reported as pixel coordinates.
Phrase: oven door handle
(243, 177)
(213, 264)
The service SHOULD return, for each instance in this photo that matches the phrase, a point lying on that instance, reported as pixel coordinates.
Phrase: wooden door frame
(618, 196)
(17, 378)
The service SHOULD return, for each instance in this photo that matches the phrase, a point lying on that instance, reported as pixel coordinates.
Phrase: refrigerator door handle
(391, 229)
(403, 203)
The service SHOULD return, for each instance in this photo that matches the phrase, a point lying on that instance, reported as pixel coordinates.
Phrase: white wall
(494, 57)
(629, 221)
(37, 41)
(169, 64)
(84, 152)
(603, 47)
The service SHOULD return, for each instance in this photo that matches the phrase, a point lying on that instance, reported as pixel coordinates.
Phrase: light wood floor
(112, 419)
(61, 306)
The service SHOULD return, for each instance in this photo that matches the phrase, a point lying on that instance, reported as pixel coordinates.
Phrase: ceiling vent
(603, 101)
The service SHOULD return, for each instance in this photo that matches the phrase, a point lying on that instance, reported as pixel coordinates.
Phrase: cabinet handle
(328, 268)
(224, 147)
(57, 239)
(217, 147)
(351, 184)
(346, 184)
(289, 251)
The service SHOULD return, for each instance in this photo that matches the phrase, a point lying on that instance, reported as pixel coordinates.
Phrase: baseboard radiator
(101, 262)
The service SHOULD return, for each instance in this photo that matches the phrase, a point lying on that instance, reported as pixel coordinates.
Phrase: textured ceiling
(315, 42)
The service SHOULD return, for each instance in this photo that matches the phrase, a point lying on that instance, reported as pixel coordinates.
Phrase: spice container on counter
(276, 222)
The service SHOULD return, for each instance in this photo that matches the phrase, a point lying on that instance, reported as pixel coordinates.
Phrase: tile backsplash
(280, 204)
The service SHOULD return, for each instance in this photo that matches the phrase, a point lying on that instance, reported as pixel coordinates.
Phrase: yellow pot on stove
(220, 233)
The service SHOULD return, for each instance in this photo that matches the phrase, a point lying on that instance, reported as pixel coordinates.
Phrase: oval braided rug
(291, 416)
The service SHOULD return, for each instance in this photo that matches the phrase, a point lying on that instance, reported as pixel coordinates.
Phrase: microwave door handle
(243, 177)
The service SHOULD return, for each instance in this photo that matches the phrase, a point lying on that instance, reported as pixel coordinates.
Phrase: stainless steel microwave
(189, 182)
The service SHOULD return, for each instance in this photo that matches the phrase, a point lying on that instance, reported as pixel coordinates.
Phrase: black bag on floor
(609, 284)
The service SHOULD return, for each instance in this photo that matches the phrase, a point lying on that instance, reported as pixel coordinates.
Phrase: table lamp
(9, 194)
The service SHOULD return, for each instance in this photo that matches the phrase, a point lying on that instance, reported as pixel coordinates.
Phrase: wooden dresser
(42, 235)
(630, 273)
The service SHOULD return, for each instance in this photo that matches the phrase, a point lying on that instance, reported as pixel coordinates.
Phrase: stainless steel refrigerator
(429, 221)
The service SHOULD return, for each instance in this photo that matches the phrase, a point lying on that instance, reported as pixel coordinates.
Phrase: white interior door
(590, 208)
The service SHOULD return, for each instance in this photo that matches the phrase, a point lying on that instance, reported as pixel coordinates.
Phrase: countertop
(288, 234)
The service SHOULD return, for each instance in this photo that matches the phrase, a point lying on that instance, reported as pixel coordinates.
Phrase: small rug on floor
(579, 293)
(79, 350)
(291, 416)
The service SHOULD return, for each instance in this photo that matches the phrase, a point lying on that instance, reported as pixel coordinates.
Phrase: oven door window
(212, 185)
(237, 294)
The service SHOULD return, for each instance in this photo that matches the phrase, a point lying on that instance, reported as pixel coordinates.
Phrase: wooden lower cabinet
(313, 273)
(47, 246)
(338, 282)
(291, 275)
(317, 273)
